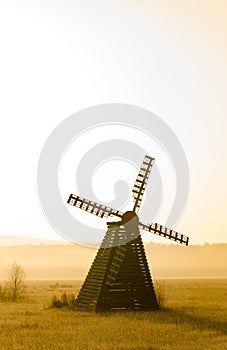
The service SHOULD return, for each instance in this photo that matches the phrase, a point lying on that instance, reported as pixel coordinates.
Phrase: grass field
(194, 317)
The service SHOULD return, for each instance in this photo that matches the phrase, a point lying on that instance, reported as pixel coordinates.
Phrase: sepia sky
(168, 56)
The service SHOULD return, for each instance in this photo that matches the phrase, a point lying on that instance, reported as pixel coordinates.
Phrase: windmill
(119, 277)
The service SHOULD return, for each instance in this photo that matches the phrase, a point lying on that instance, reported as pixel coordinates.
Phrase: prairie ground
(193, 318)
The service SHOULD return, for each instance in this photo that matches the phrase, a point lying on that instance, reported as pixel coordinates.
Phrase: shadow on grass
(163, 315)
(182, 317)
(178, 317)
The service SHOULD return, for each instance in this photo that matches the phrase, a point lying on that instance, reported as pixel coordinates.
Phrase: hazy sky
(58, 57)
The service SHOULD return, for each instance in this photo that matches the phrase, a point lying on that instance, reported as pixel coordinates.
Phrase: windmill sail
(141, 182)
(91, 207)
(165, 232)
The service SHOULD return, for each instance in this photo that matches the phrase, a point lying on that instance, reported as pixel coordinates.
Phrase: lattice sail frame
(94, 208)
(141, 182)
(163, 231)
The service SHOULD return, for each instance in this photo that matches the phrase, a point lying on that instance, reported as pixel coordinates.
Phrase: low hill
(7, 241)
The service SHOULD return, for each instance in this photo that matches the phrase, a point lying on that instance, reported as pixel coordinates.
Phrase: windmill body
(119, 277)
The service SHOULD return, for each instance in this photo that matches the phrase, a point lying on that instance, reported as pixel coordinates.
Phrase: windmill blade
(165, 232)
(91, 207)
(141, 182)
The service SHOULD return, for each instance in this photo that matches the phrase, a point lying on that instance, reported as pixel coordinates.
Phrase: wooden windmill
(119, 277)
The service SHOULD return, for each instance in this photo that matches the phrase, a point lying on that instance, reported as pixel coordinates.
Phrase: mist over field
(53, 260)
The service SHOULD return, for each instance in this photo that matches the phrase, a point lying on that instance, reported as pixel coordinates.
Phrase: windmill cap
(130, 216)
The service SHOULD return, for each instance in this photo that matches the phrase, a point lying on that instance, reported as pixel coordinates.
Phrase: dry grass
(193, 319)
